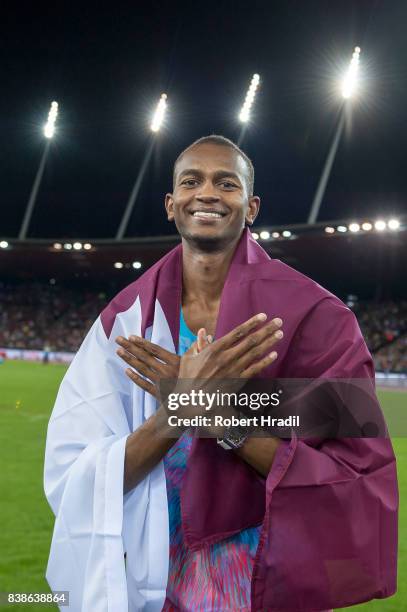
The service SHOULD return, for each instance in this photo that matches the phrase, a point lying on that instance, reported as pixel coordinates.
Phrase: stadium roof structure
(340, 255)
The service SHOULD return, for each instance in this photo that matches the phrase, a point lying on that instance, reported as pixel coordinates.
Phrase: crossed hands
(242, 353)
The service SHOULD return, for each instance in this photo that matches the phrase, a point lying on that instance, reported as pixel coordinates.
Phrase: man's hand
(154, 362)
(239, 354)
(228, 362)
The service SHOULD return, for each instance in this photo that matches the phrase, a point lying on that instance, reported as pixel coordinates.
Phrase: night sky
(107, 64)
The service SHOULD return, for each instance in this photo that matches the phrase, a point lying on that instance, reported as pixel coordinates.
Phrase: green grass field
(27, 394)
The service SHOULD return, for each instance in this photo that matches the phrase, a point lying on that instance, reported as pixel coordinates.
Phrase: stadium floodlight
(354, 227)
(265, 235)
(159, 114)
(329, 230)
(3, 244)
(77, 246)
(348, 89)
(244, 114)
(57, 246)
(286, 233)
(156, 124)
(87, 246)
(393, 224)
(275, 235)
(349, 82)
(342, 228)
(326, 172)
(118, 265)
(49, 130)
(67, 246)
(366, 227)
(137, 265)
(255, 235)
(380, 225)
(49, 127)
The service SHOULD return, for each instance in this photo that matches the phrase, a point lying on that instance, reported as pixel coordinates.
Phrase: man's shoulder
(121, 302)
(307, 289)
(318, 308)
(143, 286)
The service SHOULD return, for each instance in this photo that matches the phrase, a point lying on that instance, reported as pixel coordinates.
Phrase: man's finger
(141, 354)
(255, 344)
(155, 350)
(239, 333)
(256, 368)
(139, 365)
(141, 382)
(150, 348)
(201, 339)
(258, 348)
(201, 342)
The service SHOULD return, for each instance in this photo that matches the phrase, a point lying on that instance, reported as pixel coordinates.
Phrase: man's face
(210, 203)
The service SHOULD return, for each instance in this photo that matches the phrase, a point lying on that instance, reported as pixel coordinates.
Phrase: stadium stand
(393, 358)
(35, 315)
(384, 326)
(382, 323)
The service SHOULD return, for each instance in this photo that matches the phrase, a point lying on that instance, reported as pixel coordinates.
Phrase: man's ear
(252, 210)
(169, 206)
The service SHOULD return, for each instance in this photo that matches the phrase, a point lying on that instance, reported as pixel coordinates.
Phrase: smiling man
(146, 521)
(212, 202)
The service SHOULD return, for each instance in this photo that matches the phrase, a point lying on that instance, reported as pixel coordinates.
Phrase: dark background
(107, 64)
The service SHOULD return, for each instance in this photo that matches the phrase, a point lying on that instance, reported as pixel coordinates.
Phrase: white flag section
(97, 407)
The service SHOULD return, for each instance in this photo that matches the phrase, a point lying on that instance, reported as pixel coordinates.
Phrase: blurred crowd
(39, 316)
(56, 318)
(384, 326)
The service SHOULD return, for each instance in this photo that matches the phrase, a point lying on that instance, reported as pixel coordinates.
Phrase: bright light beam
(350, 81)
(134, 192)
(155, 126)
(244, 114)
(348, 89)
(49, 127)
(49, 130)
(326, 172)
(159, 113)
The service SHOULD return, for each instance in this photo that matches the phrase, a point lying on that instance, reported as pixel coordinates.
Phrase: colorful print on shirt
(217, 578)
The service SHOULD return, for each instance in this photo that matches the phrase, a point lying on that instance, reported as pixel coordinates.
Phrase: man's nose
(207, 194)
(207, 198)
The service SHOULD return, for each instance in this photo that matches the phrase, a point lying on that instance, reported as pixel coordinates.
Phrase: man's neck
(204, 274)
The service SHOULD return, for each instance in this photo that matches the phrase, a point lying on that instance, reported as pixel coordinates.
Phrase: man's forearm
(145, 448)
(259, 453)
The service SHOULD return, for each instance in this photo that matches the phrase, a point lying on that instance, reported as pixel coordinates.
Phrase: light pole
(156, 123)
(348, 89)
(49, 131)
(244, 114)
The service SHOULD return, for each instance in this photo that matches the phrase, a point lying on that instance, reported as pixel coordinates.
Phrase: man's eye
(189, 182)
(228, 185)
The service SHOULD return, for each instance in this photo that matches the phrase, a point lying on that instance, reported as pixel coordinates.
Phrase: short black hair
(222, 142)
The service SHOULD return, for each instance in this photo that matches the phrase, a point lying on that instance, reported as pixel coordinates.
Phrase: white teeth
(199, 213)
